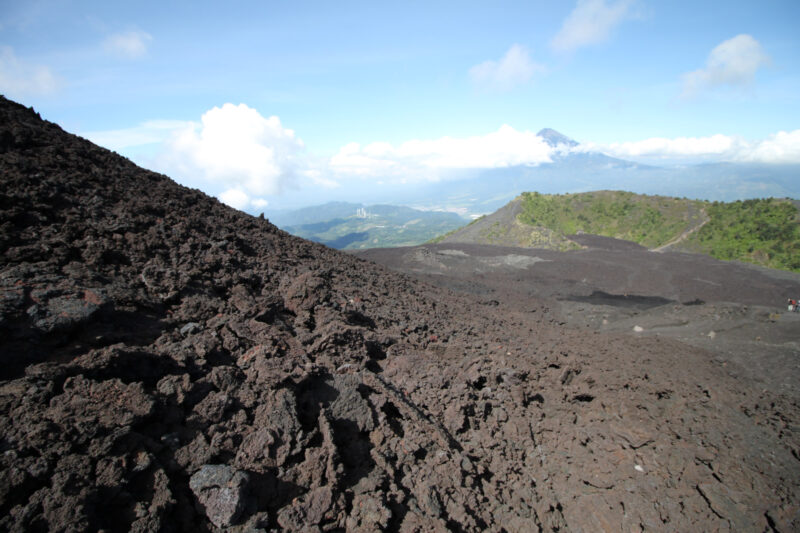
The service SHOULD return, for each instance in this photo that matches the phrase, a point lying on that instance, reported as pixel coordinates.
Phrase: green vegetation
(647, 220)
(497, 231)
(379, 226)
(764, 232)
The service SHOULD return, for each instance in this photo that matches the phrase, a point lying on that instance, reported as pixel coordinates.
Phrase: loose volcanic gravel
(171, 364)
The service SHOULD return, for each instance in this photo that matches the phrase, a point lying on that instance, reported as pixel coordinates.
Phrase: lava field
(171, 364)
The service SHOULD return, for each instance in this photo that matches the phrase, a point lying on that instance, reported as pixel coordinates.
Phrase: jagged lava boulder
(171, 364)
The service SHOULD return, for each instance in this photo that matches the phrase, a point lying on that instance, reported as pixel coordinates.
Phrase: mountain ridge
(767, 231)
(555, 138)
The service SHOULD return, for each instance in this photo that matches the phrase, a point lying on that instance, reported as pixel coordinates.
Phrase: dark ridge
(601, 242)
(632, 301)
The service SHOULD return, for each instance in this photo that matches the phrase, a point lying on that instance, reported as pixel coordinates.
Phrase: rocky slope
(171, 364)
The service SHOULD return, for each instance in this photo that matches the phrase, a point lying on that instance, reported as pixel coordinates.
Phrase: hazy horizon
(272, 105)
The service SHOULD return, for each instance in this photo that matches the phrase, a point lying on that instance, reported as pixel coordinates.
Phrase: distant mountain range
(347, 225)
(481, 191)
(428, 209)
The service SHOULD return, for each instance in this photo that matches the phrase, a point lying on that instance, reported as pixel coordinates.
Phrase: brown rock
(221, 492)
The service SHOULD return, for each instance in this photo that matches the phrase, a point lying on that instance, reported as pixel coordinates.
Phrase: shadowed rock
(221, 492)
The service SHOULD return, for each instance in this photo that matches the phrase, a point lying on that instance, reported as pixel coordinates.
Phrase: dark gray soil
(170, 364)
(733, 309)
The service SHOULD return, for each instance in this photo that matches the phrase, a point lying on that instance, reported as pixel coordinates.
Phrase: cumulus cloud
(239, 199)
(235, 198)
(591, 22)
(420, 160)
(782, 147)
(131, 44)
(20, 79)
(515, 68)
(236, 149)
(731, 63)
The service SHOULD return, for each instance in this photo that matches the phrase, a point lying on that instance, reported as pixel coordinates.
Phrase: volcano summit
(171, 364)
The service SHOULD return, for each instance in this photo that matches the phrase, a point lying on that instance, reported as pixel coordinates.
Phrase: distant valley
(345, 225)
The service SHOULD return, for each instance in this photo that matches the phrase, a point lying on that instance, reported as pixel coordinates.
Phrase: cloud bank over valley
(246, 159)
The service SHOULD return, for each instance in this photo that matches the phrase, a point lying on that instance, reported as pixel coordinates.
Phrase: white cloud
(421, 160)
(131, 44)
(148, 132)
(515, 68)
(591, 22)
(239, 199)
(733, 63)
(236, 198)
(20, 79)
(666, 149)
(235, 148)
(782, 147)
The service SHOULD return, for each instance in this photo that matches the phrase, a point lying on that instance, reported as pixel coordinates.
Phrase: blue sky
(260, 102)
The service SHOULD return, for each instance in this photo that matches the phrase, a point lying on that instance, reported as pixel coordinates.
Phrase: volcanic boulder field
(171, 364)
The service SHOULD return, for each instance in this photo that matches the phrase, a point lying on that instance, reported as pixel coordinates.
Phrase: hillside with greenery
(648, 220)
(764, 231)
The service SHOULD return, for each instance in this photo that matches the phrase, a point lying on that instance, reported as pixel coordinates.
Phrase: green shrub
(761, 231)
(648, 220)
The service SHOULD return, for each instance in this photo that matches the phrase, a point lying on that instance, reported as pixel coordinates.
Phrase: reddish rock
(221, 492)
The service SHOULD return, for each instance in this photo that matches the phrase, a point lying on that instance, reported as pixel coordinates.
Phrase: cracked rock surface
(170, 364)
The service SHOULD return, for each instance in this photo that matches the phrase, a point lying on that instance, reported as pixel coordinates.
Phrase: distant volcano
(554, 138)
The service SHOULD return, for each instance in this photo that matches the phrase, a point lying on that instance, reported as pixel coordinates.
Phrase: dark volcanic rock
(170, 364)
(221, 492)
